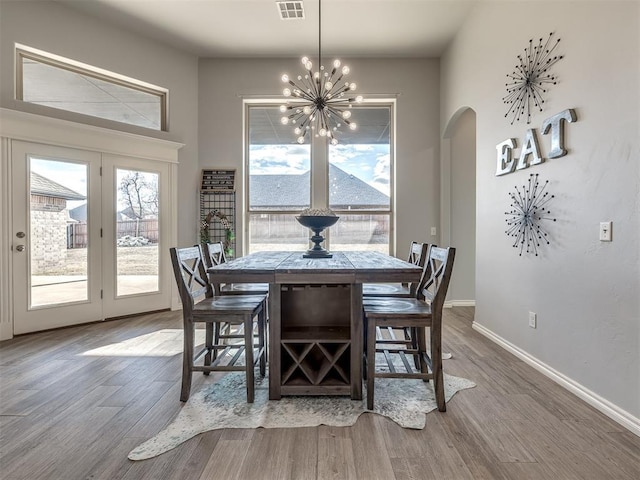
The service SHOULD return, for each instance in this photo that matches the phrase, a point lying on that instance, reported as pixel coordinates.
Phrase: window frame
(319, 172)
(24, 52)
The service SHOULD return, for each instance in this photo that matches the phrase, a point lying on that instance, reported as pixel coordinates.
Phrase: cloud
(382, 173)
(278, 159)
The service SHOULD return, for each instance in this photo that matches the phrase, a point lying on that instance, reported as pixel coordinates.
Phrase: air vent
(290, 10)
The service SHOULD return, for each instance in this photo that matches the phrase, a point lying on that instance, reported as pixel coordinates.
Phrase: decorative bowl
(317, 223)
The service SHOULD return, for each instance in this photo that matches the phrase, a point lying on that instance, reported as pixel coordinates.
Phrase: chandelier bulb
(328, 85)
(336, 63)
(304, 60)
(323, 132)
(300, 140)
(286, 92)
(345, 70)
(297, 131)
(283, 108)
(284, 120)
(306, 109)
(359, 99)
(346, 114)
(352, 86)
(353, 126)
(334, 141)
(285, 78)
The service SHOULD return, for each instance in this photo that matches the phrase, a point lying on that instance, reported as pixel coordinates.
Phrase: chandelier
(319, 102)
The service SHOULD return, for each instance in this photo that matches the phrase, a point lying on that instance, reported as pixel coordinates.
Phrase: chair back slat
(214, 253)
(418, 253)
(191, 274)
(436, 276)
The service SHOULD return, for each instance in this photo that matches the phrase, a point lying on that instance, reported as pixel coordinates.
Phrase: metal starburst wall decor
(529, 211)
(529, 79)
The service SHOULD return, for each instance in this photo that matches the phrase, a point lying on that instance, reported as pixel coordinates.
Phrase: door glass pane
(137, 232)
(58, 248)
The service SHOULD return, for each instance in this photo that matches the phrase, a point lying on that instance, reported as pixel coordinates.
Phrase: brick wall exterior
(48, 234)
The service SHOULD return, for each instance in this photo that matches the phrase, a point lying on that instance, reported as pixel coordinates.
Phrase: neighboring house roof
(43, 186)
(278, 191)
(79, 213)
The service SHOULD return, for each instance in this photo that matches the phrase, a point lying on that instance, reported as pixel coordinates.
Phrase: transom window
(353, 178)
(57, 82)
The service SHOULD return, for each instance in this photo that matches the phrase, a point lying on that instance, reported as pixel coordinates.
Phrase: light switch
(605, 231)
(434, 231)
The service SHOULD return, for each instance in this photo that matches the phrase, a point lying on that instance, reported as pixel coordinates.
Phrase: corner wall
(585, 292)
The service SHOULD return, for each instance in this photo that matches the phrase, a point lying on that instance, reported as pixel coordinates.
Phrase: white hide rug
(224, 405)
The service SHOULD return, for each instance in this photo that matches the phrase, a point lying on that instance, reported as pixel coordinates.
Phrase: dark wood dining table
(315, 314)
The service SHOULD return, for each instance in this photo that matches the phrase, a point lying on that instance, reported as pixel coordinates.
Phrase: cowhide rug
(223, 404)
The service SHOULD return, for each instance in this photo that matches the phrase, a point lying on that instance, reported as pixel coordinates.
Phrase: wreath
(226, 224)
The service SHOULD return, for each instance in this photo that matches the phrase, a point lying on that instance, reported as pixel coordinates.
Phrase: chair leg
(421, 343)
(371, 360)
(262, 344)
(208, 342)
(436, 362)
(187, 361)
(248, 356)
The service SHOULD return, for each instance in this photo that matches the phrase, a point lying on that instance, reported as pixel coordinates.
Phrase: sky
(370, 163)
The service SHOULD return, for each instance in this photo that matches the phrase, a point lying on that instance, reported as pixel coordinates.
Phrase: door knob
(20, 235)
(20, 248)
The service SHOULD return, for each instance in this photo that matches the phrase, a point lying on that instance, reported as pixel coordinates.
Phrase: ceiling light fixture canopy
(318, 103)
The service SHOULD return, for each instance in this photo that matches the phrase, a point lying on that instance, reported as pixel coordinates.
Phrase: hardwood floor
(75, 401)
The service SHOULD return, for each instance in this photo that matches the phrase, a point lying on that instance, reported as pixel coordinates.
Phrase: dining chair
(417, 256)
(200, 305)
(214, 255)
(419, 313)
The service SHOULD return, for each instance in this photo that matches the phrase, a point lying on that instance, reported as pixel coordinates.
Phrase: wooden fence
(147, 228)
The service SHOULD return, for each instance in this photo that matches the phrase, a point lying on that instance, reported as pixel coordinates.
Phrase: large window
(353, 178)
(57, 82)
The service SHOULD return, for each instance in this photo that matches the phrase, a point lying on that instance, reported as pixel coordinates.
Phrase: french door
(87, 229)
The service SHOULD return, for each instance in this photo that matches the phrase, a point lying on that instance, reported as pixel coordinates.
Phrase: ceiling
(253, 28)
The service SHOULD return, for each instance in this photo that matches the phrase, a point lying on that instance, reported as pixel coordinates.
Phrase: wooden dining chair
(214, 255)
(200, 305)
(419, 313)
(417, 256)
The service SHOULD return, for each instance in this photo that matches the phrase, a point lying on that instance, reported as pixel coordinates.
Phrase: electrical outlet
(533, 320)
(434, 231)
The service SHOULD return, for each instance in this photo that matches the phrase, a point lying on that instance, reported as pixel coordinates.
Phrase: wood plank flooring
(75, 401)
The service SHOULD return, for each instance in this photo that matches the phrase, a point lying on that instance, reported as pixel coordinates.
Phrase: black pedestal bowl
(317, 223)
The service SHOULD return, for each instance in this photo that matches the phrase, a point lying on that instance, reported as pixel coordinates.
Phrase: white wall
(223, 83)
(585, 292)
(63, 31)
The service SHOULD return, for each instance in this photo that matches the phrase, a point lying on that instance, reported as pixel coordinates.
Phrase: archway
(458, 202)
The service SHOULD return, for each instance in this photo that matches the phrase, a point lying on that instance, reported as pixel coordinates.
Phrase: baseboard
(612, 411)
(460, 303)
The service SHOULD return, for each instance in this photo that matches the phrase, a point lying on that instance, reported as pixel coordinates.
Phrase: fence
(147, 228)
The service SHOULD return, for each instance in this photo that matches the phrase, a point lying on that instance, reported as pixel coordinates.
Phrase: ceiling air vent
(290, 10)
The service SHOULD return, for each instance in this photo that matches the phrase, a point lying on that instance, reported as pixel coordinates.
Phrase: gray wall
(415, 82)
(585, 292)
(63, 31)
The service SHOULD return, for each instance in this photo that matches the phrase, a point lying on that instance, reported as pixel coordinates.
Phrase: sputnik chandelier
(318, 103)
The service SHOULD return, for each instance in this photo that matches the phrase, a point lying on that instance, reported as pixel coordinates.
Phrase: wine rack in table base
(315, 340)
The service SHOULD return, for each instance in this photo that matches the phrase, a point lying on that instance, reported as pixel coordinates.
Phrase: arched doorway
(458, 187)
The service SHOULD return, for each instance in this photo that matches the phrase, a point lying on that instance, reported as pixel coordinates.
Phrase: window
(57, 82)
(353, 178)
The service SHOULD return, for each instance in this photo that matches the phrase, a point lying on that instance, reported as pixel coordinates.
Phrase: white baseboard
(460, 303)
(612, 411)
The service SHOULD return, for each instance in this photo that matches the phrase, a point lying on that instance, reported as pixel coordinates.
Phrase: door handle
(20, 248)
(20, 234)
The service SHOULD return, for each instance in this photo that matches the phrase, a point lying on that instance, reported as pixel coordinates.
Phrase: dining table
(315, 344)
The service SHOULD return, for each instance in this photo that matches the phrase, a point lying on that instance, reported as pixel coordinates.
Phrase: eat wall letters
(530, 153)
